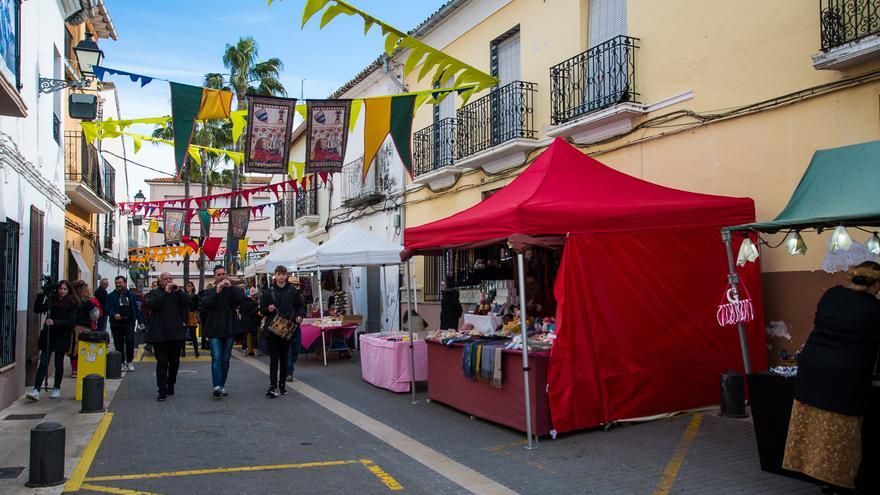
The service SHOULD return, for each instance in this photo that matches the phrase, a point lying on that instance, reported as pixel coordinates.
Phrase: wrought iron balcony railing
(842, 21)
(504, 114)
(357, 190)
(598, 78)
(81, 164)
(307, 202)
(285, 210)
(109, 189)
(434, 147)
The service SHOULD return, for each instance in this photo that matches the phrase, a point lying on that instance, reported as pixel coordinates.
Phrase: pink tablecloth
(310, 333)
(387, 364)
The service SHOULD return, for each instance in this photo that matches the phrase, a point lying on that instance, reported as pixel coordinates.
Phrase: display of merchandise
(341, 302)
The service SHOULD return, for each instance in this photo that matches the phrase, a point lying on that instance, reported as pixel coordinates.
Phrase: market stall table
(311, 333)
(386, 364)
(447, 384)
(484, 323)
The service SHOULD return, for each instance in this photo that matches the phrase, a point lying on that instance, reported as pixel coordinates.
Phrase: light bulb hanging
(874, 244)
(840, 240)
(748, 252)
(795, 244)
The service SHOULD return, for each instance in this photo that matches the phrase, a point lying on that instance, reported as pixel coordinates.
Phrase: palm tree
(213, 134)
(246, 74)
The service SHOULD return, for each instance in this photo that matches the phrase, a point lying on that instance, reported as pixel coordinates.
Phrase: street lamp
(88, 55)
(138, 198)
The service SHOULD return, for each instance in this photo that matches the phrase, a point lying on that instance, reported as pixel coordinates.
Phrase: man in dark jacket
(220, 303)
(281, 299)
(101, 296)
(121, 306)
(168, 306)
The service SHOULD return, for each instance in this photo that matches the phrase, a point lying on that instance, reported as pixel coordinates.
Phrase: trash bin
(733, 395)
(92, 354)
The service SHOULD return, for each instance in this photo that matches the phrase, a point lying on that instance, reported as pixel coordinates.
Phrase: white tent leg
(412, 355)
(525, 347)
(321, 314)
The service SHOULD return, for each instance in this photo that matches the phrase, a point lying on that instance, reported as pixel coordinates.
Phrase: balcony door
(606, 74)
(444, 129)
(507, 98)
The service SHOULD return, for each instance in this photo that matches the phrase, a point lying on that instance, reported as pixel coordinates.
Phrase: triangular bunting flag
(376, 126)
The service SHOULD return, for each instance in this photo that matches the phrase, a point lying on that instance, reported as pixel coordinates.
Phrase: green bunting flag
(189, 103)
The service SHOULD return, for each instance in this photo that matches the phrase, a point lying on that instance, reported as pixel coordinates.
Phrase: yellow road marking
(85, 462)
(384, 477)
(139, 357)
(196, 472)
(671, 471)
(187, 359)
(119, 491)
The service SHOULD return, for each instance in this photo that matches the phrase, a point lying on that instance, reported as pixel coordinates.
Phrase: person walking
(168, 306)
(220, 302)
(280, 300)
(101, 296)
(192, 320)
(122, 309)
(250, 320)
(87, 315)
(296, 341)
(60, 308)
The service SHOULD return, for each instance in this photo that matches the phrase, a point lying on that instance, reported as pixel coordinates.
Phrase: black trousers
(43, 368)
(191, 337)
(123, 340)
(167, 363)
(278, 349)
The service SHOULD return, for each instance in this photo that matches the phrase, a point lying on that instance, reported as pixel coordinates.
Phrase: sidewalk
(15, 432)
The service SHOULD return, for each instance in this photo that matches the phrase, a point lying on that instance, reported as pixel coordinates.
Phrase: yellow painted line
(85, 462)
(139, 357)
(119, 491)
(384, 477)
(671, 471)
(196, 472)
(188, 359)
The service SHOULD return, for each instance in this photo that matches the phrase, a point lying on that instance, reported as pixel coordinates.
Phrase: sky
(183, 40)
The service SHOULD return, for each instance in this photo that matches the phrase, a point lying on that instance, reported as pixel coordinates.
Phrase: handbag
(281, 326)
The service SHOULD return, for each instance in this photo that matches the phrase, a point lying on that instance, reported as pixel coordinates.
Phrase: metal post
(409, 320)
(525, 347)
(321, 314)
(733, 278)
(187, 219)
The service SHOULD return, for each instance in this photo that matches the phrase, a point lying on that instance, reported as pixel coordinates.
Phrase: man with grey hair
(168, 306)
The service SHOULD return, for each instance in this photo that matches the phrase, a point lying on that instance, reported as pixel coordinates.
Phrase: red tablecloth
(310, 333)
(504, 405)
(387, 364)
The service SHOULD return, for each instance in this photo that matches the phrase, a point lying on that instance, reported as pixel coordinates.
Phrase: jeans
(293, 352)
(167, 363)
(123, 340)
(43, 369)
(221, 352)
(278, 349)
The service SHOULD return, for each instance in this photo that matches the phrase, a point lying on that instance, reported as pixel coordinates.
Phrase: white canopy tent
(287, 253)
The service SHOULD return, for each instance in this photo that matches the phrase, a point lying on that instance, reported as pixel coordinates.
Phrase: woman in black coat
(250, 320)
(834, 379)
(55, 335)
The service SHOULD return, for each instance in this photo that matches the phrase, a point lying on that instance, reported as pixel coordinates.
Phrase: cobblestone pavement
(249, 444)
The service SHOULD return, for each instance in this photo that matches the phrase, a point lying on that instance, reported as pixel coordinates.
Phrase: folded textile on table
(496, 368)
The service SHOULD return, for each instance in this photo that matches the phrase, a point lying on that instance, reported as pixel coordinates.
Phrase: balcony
(593, 95)
(496, 131)
(434, 155)
(83, 182)
(849, 32)
(359, 191)
(295, 211)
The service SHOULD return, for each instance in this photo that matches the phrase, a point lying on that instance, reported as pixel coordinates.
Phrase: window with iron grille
(109, 231)
(435, 270)
(54, 261)
(9, 290)
(56, 129)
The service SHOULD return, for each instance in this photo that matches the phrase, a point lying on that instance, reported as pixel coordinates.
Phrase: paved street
(327, 436)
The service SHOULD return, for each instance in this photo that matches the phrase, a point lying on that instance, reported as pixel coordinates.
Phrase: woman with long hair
(192, 319)
(87, 315)
(55, 336)
(834, 382)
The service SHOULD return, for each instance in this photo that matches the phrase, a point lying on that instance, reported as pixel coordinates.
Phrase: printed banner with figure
(270, 122)
(173, 220)
(326, 135)
(239, 218)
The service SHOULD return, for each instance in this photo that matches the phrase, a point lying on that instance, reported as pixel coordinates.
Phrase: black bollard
(47, 455)
(92, 394)
(114, 365)
(733, 395)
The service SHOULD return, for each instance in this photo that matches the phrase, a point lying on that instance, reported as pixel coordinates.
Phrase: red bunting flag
(210, 246)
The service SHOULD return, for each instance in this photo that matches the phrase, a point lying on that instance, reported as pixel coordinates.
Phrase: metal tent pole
(321, 315)
(733, 278)
(414, 288)
(409, 320)
(525, 347)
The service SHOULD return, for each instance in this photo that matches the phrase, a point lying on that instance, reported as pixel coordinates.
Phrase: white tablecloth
(484, 323)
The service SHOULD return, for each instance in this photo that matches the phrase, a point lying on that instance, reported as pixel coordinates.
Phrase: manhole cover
(9, 473)
(14, 417)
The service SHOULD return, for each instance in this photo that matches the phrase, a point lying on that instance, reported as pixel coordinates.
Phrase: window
(10, 43)
(54, 269)
(109, 231)
(435, 270)
(504, 58)
(607, 20)
(8, 290)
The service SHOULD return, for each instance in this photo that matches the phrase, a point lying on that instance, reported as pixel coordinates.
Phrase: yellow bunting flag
(377, 123)
(242, 247)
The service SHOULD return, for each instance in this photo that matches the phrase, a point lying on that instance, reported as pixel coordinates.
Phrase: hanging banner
(239, 218)
(173, 219)
(270, 122)
(326, 134)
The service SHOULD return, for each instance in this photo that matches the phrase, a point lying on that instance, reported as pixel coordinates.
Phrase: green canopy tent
(840, 187)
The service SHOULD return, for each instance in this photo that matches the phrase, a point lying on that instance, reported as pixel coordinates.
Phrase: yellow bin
(92, 359)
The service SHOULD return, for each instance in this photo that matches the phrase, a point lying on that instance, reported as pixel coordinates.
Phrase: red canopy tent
(642, 273)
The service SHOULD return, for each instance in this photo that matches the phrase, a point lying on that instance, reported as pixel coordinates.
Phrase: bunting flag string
(100, 72)
(191, 203)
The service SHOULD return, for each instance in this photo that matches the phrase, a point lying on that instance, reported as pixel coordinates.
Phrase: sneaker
(161, 398)
(124, 367)
(130, 366)
(282, 391)
(56, 393)
(223, 392)
(218, 391)
(272, 393)
(290, 378)
(73, 374)
(33, 394)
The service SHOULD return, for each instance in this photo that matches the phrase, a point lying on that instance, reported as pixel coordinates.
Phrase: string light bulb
(796, 245)
(840, 239)
(748, 252)
(873, 244)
